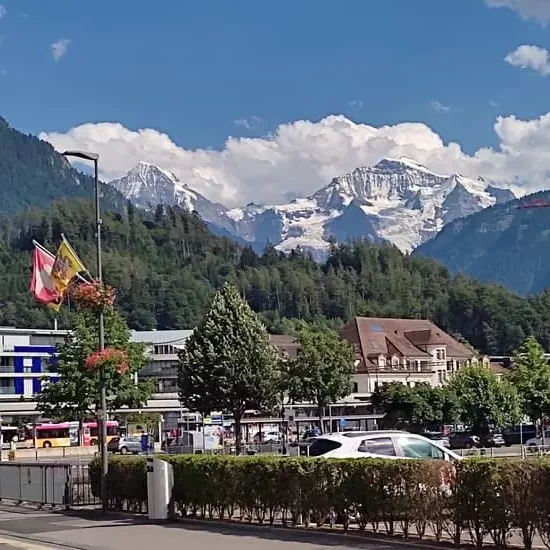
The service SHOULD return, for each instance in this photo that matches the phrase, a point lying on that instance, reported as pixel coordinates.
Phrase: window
(163, 349)
(6, 361)
(355, 388)
(417, 448)
(377, 446)
(322, 446)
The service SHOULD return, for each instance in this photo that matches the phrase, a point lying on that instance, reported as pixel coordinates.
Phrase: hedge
(475, 501)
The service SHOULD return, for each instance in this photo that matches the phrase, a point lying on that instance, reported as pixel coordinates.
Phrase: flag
(42, 285)
(66, 266)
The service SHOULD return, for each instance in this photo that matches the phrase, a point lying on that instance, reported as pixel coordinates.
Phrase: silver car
(124, 445)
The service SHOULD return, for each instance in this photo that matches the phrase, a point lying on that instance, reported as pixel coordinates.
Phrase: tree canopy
(228, 363)
(75, 396)
(418, 407)
(485, 402)
(166, 268)
(323, 370)
(531, 377)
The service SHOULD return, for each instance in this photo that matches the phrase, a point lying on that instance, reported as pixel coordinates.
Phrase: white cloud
(493, 104)
(439, 107)
(60, 48)
(3, 11)
(356, 103)
(302, 156)
(530, 57)
(527, 9)
(248, 122)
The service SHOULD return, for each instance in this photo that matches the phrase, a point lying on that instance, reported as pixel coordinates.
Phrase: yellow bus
(54, 435)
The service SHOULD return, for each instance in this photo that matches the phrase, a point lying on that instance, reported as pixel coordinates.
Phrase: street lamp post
(94, 157)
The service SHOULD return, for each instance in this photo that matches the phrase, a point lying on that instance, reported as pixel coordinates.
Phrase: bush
(472, 499)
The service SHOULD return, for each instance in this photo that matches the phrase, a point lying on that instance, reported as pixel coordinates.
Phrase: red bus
(91, 432)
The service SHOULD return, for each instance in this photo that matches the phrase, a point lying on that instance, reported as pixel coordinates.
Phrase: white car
(378, 444)
(535, 444)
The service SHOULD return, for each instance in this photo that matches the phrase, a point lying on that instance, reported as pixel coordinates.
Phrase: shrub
(479, 498)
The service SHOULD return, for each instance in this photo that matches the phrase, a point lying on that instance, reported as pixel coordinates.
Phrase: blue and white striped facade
(26, 357)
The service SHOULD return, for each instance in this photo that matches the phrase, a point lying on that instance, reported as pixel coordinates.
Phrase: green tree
(75, 396)
(322, 372)
(419, 407)
(484, 401)
(531, 377)
(228, 363)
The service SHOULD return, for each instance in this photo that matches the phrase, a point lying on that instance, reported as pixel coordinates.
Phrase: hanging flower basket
(110, 359)
(94, 295)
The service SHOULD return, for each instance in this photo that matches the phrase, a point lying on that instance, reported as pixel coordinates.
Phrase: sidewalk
(29, 529)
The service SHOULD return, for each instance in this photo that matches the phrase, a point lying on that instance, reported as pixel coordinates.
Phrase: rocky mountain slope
(398, 201)
(500, 244)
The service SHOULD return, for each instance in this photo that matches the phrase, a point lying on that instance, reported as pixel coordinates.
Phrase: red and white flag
(42, 285)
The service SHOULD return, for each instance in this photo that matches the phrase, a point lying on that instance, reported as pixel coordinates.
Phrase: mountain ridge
(501, 244)
(396, 200)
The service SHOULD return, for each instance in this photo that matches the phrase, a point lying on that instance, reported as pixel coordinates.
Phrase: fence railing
(65, 485)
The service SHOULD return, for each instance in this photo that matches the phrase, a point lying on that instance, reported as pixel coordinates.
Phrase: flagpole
(101, 412)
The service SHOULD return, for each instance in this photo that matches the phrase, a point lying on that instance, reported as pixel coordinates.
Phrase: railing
(65, 485)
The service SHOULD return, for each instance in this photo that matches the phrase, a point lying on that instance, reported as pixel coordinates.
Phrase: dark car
(514, 435)
(493, 439)
(464, 440)
(438, 437)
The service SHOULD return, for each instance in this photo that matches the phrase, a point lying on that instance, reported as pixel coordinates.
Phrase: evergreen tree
(531, 377)
(228, 363)
(75, 396)
(322, 372)
(484, 401)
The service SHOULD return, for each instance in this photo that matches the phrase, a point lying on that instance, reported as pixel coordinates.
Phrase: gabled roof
(405, 337)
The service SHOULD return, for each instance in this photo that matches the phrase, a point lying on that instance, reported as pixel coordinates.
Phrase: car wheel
(47, 445)
(124, 450)
(468, 445)
(532, 448)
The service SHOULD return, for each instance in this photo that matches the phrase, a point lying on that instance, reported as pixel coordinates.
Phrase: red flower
(109, 358)
(94, 295)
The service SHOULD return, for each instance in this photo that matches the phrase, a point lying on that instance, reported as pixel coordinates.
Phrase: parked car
(493, 439)
(514, 435)
(268, 437)
(535, 443)
(378, 444)
(463, 440)
(124, 445)
(438, 437)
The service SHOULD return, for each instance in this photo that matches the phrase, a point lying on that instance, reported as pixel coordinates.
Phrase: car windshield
(322, 446)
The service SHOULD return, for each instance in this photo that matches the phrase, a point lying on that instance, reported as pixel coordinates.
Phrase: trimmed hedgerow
(472, 500)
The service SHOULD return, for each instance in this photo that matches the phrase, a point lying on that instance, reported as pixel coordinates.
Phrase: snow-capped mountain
(147, 185)
(399, 201)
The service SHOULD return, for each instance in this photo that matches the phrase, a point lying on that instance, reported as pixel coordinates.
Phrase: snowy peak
(396, 200)
(148, 185)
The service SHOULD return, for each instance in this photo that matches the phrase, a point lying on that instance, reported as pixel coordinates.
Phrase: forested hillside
(32, 174)
(500, 244)
(166, 267)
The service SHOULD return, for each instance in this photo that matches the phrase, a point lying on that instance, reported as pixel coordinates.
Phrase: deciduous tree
(531, 377)
(485, 402)
(228, 362)
(322, 372)
(75, 396)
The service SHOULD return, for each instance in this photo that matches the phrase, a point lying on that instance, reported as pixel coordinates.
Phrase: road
(29, 529)
(513, 451)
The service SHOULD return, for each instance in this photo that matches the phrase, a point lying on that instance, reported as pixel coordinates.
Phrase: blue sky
(203, 70)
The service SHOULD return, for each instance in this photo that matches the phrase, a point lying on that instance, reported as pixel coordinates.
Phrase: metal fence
(67, 485)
